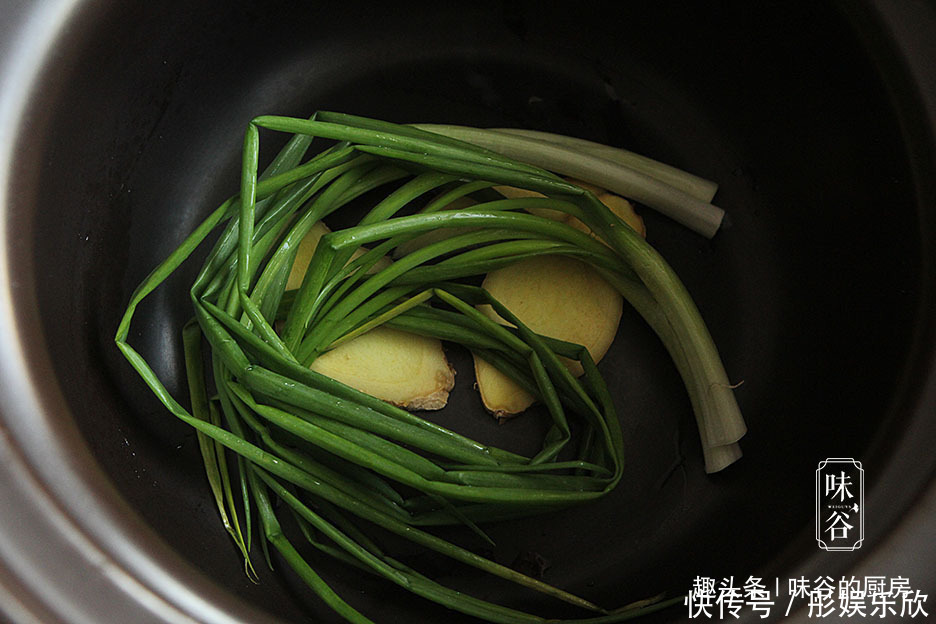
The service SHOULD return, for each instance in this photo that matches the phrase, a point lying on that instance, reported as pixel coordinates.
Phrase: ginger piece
(438, 234)
(588, 186)
(619, 206)
(556, 296)
(512, 192)
(404, 369)
(499, 393)
(307, 248)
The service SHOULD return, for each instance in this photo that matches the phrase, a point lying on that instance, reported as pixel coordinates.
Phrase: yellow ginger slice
(556, 296)
(619, 206)
(512, 192)
(404, 369)
(434, 236)
(307, 248)
(588, 186)
(438, 234)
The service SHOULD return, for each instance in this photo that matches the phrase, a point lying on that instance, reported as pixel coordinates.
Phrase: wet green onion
(337, 458)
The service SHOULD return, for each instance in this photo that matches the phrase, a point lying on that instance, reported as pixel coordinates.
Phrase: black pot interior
(810, 293)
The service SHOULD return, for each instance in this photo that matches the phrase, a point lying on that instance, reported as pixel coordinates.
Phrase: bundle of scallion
(336, 456)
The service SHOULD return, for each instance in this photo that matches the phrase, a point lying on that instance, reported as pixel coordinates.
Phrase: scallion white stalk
(698, 187)
(700, 216)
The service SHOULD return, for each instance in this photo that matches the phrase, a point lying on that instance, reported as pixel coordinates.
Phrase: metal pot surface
(121, 125)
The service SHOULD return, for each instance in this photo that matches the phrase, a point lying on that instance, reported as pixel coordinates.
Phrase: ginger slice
(499, 393)
(619, 206)
(307, 248)
(439, 234)
(588, 186)
(404, 369)
(512, 192)
(556, 296)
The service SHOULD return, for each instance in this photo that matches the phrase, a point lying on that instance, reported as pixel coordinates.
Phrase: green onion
(654, 188)
(344, 462)
(700, 188)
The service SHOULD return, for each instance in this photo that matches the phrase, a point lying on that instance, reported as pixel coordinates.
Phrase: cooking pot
(120, 128)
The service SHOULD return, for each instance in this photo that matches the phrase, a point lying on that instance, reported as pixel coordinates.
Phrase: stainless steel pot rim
(70, 549)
